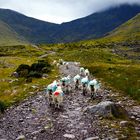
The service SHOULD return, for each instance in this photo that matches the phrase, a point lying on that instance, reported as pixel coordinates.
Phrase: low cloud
(61, 10)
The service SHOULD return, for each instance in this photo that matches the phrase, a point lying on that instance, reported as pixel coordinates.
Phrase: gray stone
(84, 132)
(132, 117)
(123, 123)
(138, 119)
(44, 75)
(21, 137)
(35, 132)
(70, 136)
(21, 120)
(107, 109)
(92, 138)
(65, 117)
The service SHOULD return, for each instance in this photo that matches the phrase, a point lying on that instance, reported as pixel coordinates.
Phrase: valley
(111, 55)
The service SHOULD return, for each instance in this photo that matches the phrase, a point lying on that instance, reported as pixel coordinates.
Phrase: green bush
(35, 70)
(2, 107)
(41, 66)
(23, 70)
(35, 74)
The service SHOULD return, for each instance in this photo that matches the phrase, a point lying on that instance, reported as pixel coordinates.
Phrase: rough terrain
(34, 119)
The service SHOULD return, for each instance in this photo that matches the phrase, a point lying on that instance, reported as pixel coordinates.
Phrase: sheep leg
(68, 89)
(76, 86)
(84, 92)
(58, 105)
(50, 101)
(92, 95)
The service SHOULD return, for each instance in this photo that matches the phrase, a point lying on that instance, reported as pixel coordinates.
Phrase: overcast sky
(59, 11)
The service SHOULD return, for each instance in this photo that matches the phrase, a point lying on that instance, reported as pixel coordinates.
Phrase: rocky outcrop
(107, 109)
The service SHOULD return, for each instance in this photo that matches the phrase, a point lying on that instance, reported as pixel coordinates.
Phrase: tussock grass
(116, 71)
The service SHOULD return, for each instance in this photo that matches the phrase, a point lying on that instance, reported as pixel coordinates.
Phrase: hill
(97, 24)
(129, 31)
(93, 26)
(8, 36)
(35, 31)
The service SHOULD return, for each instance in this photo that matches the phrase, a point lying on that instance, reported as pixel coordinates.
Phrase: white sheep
(67, 65)
(65, 83)
(61, 61)
(82, 71)
(93, 86)
(76, 63)
(64, 63)
(57, 97)
(87, 72)
(76, 79)
(49, 90)
(84, 82)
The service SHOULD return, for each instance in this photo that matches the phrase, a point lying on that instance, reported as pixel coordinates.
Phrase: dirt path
(35, 120)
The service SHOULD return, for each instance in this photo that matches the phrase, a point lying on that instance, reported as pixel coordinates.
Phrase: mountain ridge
(90, 27)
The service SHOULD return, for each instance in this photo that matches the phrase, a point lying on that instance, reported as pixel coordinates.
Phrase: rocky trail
(34, 119)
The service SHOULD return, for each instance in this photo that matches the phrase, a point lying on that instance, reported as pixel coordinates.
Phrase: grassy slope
(115, 71)
(34, 30)
(8, 36)
(129, 31)
(11, 58)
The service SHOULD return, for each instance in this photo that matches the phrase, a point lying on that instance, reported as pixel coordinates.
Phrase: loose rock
(70, 136)
(92, 138)
(107, 109)
(123, 123)
(21, 137)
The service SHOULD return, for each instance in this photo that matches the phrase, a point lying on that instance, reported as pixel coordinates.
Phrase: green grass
(8, 36)
(113, 70)
(20, 50)
(116, 71)
(129, 31)
(11, 57)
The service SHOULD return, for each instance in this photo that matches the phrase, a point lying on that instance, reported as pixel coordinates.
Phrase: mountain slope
(8, 36)
(98, 24)
(129, 31)
(93, 26)
(35, 31)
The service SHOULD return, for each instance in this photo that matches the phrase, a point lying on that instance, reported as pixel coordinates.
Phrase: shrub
(2, 107)
(36, 70)
(23, 70)
(41, 66)
(29, 80)
(35, 74)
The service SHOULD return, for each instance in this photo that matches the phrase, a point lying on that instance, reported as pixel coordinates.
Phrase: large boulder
(107, 109)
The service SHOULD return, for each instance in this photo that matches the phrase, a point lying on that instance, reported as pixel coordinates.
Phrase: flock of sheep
(56, 91)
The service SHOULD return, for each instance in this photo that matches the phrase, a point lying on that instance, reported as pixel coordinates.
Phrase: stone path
(33, 119)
